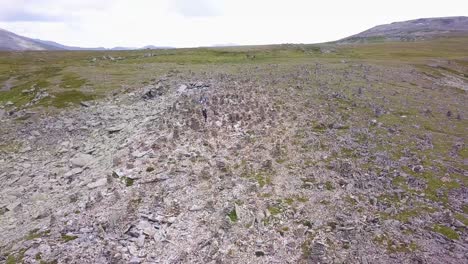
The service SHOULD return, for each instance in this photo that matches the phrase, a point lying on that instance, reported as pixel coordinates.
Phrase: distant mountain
(63, 47)
(419, 29)
(11, 42)
(152, 47)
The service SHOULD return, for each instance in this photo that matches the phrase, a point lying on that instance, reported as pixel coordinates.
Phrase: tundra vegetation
(309, 154)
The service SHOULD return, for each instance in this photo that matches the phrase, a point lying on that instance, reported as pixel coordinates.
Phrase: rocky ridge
(216, 168)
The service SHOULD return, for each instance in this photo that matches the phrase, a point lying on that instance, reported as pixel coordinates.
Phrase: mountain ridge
(411, 30)
(10, 41)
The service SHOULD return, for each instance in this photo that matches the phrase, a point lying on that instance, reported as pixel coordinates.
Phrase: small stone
(115, 129)
(14, 206)
(418, 168)
(195, 208)
(135, 260)
(74, 171)
(81, 160)
(458, 224)
(85, 104)
(147, 228)
(141, 241)
(182, 88)
(171, 220)
(98, 183)
(138, 154)
(133, 250)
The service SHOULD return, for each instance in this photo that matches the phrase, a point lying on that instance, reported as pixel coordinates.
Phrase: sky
(194, 23)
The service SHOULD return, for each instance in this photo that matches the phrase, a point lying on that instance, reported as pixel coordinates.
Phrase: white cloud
(185, 23)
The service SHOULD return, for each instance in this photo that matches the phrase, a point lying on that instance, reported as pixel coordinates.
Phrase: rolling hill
(11, 42)
(418, 29)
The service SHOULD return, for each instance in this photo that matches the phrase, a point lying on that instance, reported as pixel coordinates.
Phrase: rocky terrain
(302, 163)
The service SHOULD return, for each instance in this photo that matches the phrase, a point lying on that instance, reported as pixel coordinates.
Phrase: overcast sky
(191, 23)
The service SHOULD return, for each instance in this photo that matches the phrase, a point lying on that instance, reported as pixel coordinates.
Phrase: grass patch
(67, 98)
(275, 209)
(446, 231)
(395, 246)
(33, 234)
(329, 186)
(68, 238)
(461, 218)
(72, 80)
(233, 215)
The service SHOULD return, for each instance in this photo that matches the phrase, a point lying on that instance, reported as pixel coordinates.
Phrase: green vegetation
(329, 186)
(68, 238)
(16, 258)
(446, 231)
(275, 210)
(67, 98)
(72, 80)
(377, 111)
(233, 215)
(35, 233)
(395, 246)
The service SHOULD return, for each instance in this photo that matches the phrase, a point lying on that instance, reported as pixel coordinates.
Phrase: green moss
(265, 195)
(436, 190)
(72, 80)
(400, 182)
(289, 201)
(329, 186)
(319, 127)
(16, 258)
(11, 259)
(394, 246)
(307, 223)
(465, 208)
(67, 238)
(350, 200)
(462, 218)
(10, 147)
(405, 215)
(446, 231)
(275, 209)
(50, 262)
(463, 152)
(262, 177)
(67, 98)
(127, 181)
(306, 247)
(33, 234)
(233, 215)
